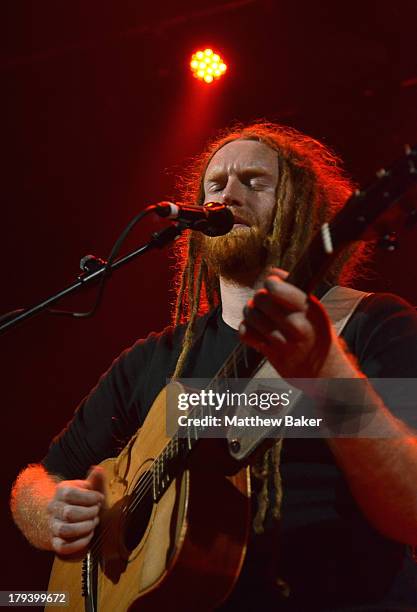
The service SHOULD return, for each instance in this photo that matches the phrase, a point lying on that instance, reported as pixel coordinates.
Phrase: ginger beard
(240, 256)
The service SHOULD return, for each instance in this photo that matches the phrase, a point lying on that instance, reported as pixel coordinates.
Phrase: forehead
(241, 154)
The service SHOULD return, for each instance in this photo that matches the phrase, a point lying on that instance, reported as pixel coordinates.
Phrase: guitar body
(184, 551)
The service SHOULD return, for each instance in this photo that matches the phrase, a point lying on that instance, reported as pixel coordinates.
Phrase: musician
(348, 514)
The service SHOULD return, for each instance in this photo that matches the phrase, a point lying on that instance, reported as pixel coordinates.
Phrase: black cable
(107, 268)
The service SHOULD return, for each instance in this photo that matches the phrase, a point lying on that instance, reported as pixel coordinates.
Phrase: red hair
(312, 187)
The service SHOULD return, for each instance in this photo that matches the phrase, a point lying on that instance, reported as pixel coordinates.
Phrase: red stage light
(207, 65)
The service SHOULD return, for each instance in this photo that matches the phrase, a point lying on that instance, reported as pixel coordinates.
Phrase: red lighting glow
(207, 65)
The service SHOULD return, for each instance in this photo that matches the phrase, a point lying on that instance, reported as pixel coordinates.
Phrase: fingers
(70, 547)
(71, 537)
(74, 512)
(285, 295)
(290, 328)
(258, 327)
(73, 531)
(75, 492)
(265, 314)
(268, 346)
(96, 478)
(283, 274)
(277, 313)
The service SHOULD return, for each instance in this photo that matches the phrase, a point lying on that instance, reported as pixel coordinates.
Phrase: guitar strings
(143, 485)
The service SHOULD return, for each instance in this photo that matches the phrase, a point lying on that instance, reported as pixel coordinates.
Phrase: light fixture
(207, 65)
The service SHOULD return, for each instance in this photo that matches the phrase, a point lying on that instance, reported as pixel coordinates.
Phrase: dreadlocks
(311, 188)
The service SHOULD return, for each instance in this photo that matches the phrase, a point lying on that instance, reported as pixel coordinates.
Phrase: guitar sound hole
(139, 513)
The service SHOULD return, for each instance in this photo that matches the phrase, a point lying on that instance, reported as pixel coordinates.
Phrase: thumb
(282, 274)
(96, 478)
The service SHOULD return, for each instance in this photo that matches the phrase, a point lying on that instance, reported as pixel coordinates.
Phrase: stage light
(207, 65)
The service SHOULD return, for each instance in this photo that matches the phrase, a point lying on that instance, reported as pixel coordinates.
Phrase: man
(349, 514)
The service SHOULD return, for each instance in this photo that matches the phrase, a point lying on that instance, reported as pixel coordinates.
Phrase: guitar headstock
(361, 216)
(369, 214)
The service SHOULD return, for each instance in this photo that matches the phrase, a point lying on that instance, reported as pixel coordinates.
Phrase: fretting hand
(291, 329)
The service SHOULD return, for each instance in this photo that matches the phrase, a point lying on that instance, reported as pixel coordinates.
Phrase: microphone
(213, 219)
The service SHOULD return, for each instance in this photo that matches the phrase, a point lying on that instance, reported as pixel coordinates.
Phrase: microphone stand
(158, 240)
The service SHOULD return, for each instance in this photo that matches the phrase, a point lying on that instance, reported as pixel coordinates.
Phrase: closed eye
(255, 182)
(254, 177)
(213, 187)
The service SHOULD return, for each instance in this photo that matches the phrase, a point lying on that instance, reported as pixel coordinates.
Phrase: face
(243, 175)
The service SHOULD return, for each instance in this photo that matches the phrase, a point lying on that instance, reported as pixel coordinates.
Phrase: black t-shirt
(330, 555)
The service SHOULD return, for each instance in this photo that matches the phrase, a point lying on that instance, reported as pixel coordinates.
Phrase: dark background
(99, 114)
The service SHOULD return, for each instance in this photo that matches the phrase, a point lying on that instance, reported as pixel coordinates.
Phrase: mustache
(243, 217)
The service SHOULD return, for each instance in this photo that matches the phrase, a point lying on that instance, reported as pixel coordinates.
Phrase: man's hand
(291, 329)
(74, 512)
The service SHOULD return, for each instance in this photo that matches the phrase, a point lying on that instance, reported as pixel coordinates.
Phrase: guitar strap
(340, 304)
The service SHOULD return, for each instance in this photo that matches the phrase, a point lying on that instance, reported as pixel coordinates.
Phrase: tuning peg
(382, 172)
(389, 241)
(407, 149)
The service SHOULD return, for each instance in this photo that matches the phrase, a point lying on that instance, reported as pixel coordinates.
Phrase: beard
(240, 256)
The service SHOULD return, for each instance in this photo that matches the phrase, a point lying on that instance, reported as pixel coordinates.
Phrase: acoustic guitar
(174, 531)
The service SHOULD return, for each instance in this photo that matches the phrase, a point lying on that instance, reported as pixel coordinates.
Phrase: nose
(232, 194)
